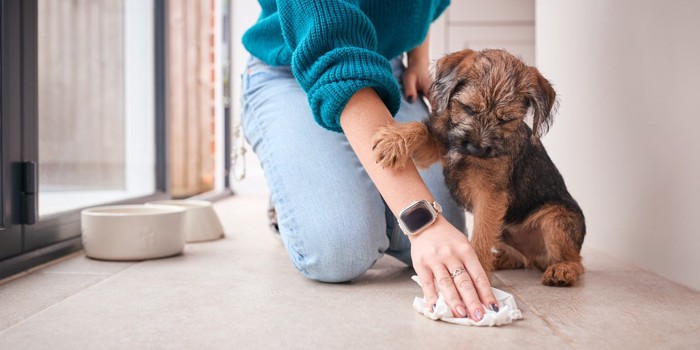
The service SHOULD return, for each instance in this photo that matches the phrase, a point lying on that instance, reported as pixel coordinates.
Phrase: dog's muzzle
(476, 150)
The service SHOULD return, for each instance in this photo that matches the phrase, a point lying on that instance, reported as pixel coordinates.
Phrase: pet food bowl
(133, 232)
(201, 221)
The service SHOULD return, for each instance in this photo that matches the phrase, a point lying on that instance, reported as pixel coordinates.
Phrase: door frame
(10, 125)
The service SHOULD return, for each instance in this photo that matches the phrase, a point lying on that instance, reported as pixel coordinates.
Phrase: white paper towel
(507, 310)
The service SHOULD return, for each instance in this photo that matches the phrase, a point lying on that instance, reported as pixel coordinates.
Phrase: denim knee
(335, 265)
(341, 254)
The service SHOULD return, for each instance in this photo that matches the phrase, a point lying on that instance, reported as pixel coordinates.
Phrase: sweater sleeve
(334, 48)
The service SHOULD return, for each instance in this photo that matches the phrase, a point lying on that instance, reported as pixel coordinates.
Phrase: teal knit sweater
(337, 47)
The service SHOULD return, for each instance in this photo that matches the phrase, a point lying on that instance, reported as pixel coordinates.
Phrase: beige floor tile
(27, 296)
(594, 260)
(614, 309)
(80, 264)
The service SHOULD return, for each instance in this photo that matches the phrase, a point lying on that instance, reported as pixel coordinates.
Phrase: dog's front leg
(489, 211)
(395, 144)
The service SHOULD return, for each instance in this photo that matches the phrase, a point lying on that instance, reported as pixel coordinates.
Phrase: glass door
(96, 110)
(96, 102)
(83, 113)
(83, 118)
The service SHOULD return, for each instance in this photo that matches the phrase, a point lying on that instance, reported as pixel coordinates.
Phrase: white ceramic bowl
(201, 221)
(133, 232)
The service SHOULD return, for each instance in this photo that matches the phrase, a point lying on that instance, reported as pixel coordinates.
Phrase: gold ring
(457, 272)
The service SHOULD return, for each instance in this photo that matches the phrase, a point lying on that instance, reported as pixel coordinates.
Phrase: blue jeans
(332, 219)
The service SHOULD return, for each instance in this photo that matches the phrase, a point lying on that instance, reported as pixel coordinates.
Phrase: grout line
(78, 273)
(107, 277)
(549, 323)
(40, 267)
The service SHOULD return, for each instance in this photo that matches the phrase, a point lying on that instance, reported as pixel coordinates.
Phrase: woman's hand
(416, 79)
(437, 253)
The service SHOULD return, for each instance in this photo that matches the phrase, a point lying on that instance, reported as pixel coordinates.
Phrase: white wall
(627, 136)
(244, 13)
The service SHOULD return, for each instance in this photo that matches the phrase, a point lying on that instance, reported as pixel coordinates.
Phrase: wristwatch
(417, 216)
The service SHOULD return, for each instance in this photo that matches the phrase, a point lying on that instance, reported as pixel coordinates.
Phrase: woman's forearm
(364, 114)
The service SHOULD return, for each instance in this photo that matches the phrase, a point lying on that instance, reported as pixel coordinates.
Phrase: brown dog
(494, 164)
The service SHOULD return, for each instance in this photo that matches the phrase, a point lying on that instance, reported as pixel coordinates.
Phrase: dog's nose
(476, 150)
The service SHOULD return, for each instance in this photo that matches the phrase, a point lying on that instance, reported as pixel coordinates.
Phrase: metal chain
(238, 161)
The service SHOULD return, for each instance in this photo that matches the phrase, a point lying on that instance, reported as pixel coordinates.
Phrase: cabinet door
(492, 11)
(518, 40)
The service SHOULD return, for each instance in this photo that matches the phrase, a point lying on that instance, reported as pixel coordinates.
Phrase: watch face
(415, 218)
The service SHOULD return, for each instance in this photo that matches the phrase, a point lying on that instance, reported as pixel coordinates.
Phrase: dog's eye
(506, 121)
(469, 110)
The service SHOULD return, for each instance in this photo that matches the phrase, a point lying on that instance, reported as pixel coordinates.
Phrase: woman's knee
(338, 255)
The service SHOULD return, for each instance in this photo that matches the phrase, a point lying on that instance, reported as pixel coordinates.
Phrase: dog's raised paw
(390, 148)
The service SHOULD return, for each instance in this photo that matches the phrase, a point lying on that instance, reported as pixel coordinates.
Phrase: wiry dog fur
(494, 164)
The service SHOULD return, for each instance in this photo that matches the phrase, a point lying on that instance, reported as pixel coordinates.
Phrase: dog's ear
(543, 100)
(446, 78)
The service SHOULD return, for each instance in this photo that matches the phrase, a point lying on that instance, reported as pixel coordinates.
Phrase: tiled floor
(243, 293)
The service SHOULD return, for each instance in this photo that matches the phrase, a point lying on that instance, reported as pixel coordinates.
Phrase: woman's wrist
(440, 224)
(420, 56)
